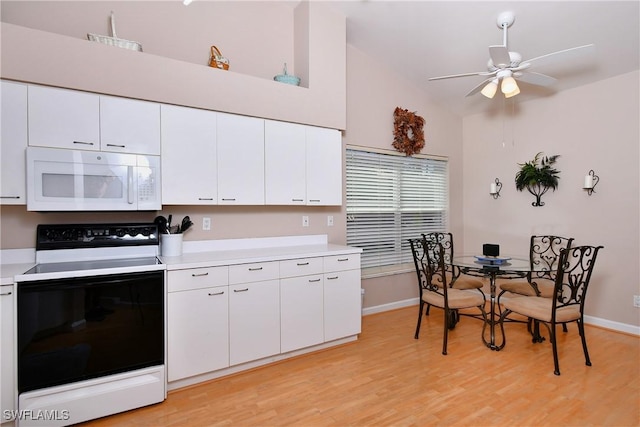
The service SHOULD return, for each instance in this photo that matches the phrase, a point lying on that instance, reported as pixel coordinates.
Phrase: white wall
(590, 127)
(373, 92)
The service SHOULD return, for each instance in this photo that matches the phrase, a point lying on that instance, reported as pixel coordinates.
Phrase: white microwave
(75, 180)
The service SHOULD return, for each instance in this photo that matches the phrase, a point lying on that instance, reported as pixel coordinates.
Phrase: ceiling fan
(506, 67)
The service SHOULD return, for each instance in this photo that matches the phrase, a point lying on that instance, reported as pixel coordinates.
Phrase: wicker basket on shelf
(114, 40)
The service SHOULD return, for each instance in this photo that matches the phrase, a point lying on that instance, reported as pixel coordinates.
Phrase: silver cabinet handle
(297, 200)
(343, 259)
(9, 197)
(83, 142)
(211, 294)
(241, 290)
(116, 145)
(199, 274)
(205, 198)
(314, 280)
(6, 293)
(302, 263)
(255, 269)
(332, 278)
(314, 200)
(229, 200)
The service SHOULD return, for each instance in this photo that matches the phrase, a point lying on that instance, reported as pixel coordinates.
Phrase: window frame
(400, 260)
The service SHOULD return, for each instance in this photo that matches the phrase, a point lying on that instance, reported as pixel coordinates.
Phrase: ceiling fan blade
(452, 76)
(500, 56)
(536, 79)
(479, 87)
(579, 50)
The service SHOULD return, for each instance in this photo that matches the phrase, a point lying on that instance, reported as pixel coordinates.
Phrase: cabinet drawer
(342, 262)
(197, 278)
(245, 273)
(301, 267)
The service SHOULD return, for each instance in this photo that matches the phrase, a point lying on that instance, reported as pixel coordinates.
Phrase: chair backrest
(544, 255)
(429, 260)
(573, 275)
(446, 240)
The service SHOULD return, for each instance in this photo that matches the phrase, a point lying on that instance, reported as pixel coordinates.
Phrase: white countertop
(252, 255)
(211, 253)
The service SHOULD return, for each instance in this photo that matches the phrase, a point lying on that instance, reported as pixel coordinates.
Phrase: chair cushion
(522, 287)
(540, 308)
(458, 298)
(466, 282)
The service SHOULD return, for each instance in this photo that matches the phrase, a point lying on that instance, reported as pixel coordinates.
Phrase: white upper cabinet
(324, 166)
(62, 118)
(240, 160)
(188, 156)
(13, 124)
(129, 126)
(285, 170)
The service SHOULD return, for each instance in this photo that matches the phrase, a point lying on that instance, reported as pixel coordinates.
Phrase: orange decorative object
(408, 136)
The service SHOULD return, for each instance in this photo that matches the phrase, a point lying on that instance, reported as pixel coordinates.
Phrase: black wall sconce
(495, 188)
(590, 182)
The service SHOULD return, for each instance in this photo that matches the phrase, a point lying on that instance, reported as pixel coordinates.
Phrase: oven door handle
(130, 185)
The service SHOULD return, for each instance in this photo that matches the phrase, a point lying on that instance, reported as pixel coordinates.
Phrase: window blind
(391, 199)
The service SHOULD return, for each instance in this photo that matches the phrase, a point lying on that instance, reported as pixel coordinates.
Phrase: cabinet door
(188, 156)
(324, 166)
(63, 118)
(240, 160)
(198, 331)
(301, 312)
(13, 141)
(254, 321)
(7, 362)
(284, 163)
(129, 126)
(342, 311)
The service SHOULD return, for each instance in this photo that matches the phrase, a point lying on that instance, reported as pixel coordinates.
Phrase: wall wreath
(408, 136)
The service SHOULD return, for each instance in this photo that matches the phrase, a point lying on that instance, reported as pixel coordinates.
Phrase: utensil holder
(171, 244)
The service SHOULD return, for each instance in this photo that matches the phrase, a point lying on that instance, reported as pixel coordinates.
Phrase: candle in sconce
(588, 181)
(494, 189)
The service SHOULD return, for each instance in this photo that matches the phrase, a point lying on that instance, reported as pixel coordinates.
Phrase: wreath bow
(408, 136)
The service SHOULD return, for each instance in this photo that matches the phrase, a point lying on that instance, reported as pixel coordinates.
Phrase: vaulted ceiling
(423, 39)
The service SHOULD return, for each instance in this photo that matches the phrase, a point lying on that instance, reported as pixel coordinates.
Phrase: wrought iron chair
(575, 266)
(454, 277)
(544, 254)
(429, 260)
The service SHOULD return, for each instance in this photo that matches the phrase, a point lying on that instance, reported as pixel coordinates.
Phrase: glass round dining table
(493, 267)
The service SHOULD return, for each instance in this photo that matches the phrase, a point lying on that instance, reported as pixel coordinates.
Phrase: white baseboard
(589, 320)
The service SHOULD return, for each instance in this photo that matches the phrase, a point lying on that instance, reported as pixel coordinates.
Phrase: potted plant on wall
(538, 176)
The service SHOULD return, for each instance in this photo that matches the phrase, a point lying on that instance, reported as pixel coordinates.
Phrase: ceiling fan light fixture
(512, 93)
(509, 85)
(490, 89)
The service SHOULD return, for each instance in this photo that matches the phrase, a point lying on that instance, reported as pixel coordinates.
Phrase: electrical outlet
(330, 220)
(636, 300)
(305, 221)
(206, 223)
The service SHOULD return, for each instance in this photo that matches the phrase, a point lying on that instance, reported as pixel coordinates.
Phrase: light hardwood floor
(387, 378)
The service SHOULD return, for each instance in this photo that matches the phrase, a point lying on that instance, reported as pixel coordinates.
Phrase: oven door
(80, 328)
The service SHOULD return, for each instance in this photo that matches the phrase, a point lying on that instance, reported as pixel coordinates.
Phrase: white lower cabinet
(301, 304)
(342, 297)
(223, 316)
(254, 321)
(7, 362)
(198, 322)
